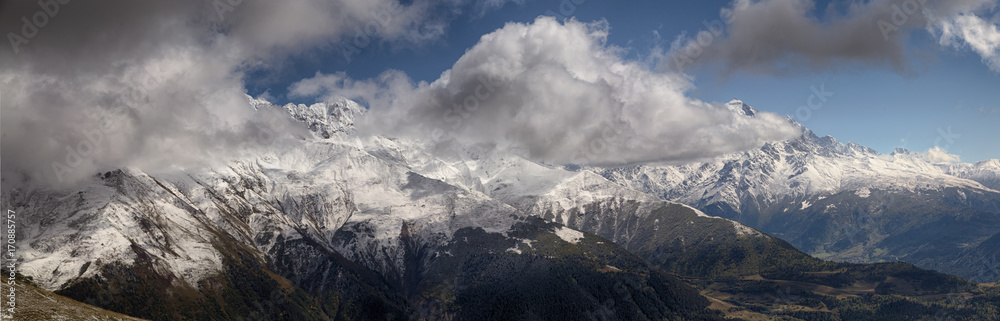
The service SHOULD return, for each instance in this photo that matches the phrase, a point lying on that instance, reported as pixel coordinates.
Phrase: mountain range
(845, 202)
(339, 225)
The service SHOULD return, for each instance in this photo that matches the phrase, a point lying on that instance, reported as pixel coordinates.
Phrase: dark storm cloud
(781, 36)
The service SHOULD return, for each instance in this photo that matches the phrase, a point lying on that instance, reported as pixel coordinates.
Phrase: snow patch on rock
(569, 235)
(697, 211)
(744, 230)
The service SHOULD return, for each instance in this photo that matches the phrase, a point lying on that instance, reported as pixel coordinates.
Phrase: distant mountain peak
(257, 103)
(740, 107)
(327, 119)
(900, 151)
(989, 163)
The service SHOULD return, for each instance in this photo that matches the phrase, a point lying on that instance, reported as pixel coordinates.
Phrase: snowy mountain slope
(986, 172)
(195, 244)
(659, 231)
(808, 165)
(283, 195)
(838, 201)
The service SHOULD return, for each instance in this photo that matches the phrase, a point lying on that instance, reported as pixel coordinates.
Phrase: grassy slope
(764, 278)
(35, 304)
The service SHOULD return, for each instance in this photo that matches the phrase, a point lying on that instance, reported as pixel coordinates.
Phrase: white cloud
(970, 30)
(937, 155)
(555, 92)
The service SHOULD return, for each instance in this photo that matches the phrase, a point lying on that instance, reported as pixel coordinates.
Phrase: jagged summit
(900, 151)
(989, 164)
(325, 119)
(741, 108)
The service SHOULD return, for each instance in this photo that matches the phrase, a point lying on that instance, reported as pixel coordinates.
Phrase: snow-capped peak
(328, 118)
(741, 108)
(258, 103)
(900, 151)
(993, 164)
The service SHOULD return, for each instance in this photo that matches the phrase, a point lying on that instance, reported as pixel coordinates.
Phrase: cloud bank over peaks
(90, 86)
(554, 92)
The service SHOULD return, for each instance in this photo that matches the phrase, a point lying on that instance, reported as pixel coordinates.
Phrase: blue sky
(950, 97)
